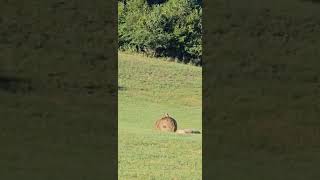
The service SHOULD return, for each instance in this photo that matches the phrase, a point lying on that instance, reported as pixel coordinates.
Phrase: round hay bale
(167, 124)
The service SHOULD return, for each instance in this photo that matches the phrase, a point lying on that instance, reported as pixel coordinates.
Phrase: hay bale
(166, 123)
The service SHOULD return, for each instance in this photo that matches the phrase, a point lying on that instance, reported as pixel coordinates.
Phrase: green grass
(52, 125)
(263, 106)
(149, 88)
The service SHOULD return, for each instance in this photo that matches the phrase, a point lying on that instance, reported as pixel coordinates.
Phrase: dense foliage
(169, 28)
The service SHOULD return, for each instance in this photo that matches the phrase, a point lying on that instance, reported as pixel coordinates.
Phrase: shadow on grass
(15, 84)
(312, 1)
(121, 88)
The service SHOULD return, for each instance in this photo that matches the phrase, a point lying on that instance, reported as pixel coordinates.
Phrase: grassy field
(57, 85)
(261, 90)
(53, 120)
(147, 89)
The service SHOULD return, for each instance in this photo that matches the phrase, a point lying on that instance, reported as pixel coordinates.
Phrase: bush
(166, 28)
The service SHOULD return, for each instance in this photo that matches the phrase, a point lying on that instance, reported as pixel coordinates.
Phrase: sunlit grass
(149, 88)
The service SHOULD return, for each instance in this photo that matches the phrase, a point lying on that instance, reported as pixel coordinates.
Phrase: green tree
(165, 28)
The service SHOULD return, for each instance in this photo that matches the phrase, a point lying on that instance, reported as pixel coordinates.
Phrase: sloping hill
(264, 81)
(147, 89)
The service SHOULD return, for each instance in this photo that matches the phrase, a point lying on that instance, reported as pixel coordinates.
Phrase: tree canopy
(162, 28)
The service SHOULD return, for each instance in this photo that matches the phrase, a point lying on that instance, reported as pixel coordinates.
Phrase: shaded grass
(262, 116)
(51, 123)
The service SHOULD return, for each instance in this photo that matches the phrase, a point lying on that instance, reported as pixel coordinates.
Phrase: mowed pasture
(148, 88)
(261, 91)
(54, 118)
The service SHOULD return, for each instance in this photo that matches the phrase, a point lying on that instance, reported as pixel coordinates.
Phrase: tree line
(162, 28)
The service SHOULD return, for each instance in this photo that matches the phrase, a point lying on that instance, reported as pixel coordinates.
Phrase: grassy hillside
(53, 119)
(55, 76)
(147, 89)
(262, 112)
